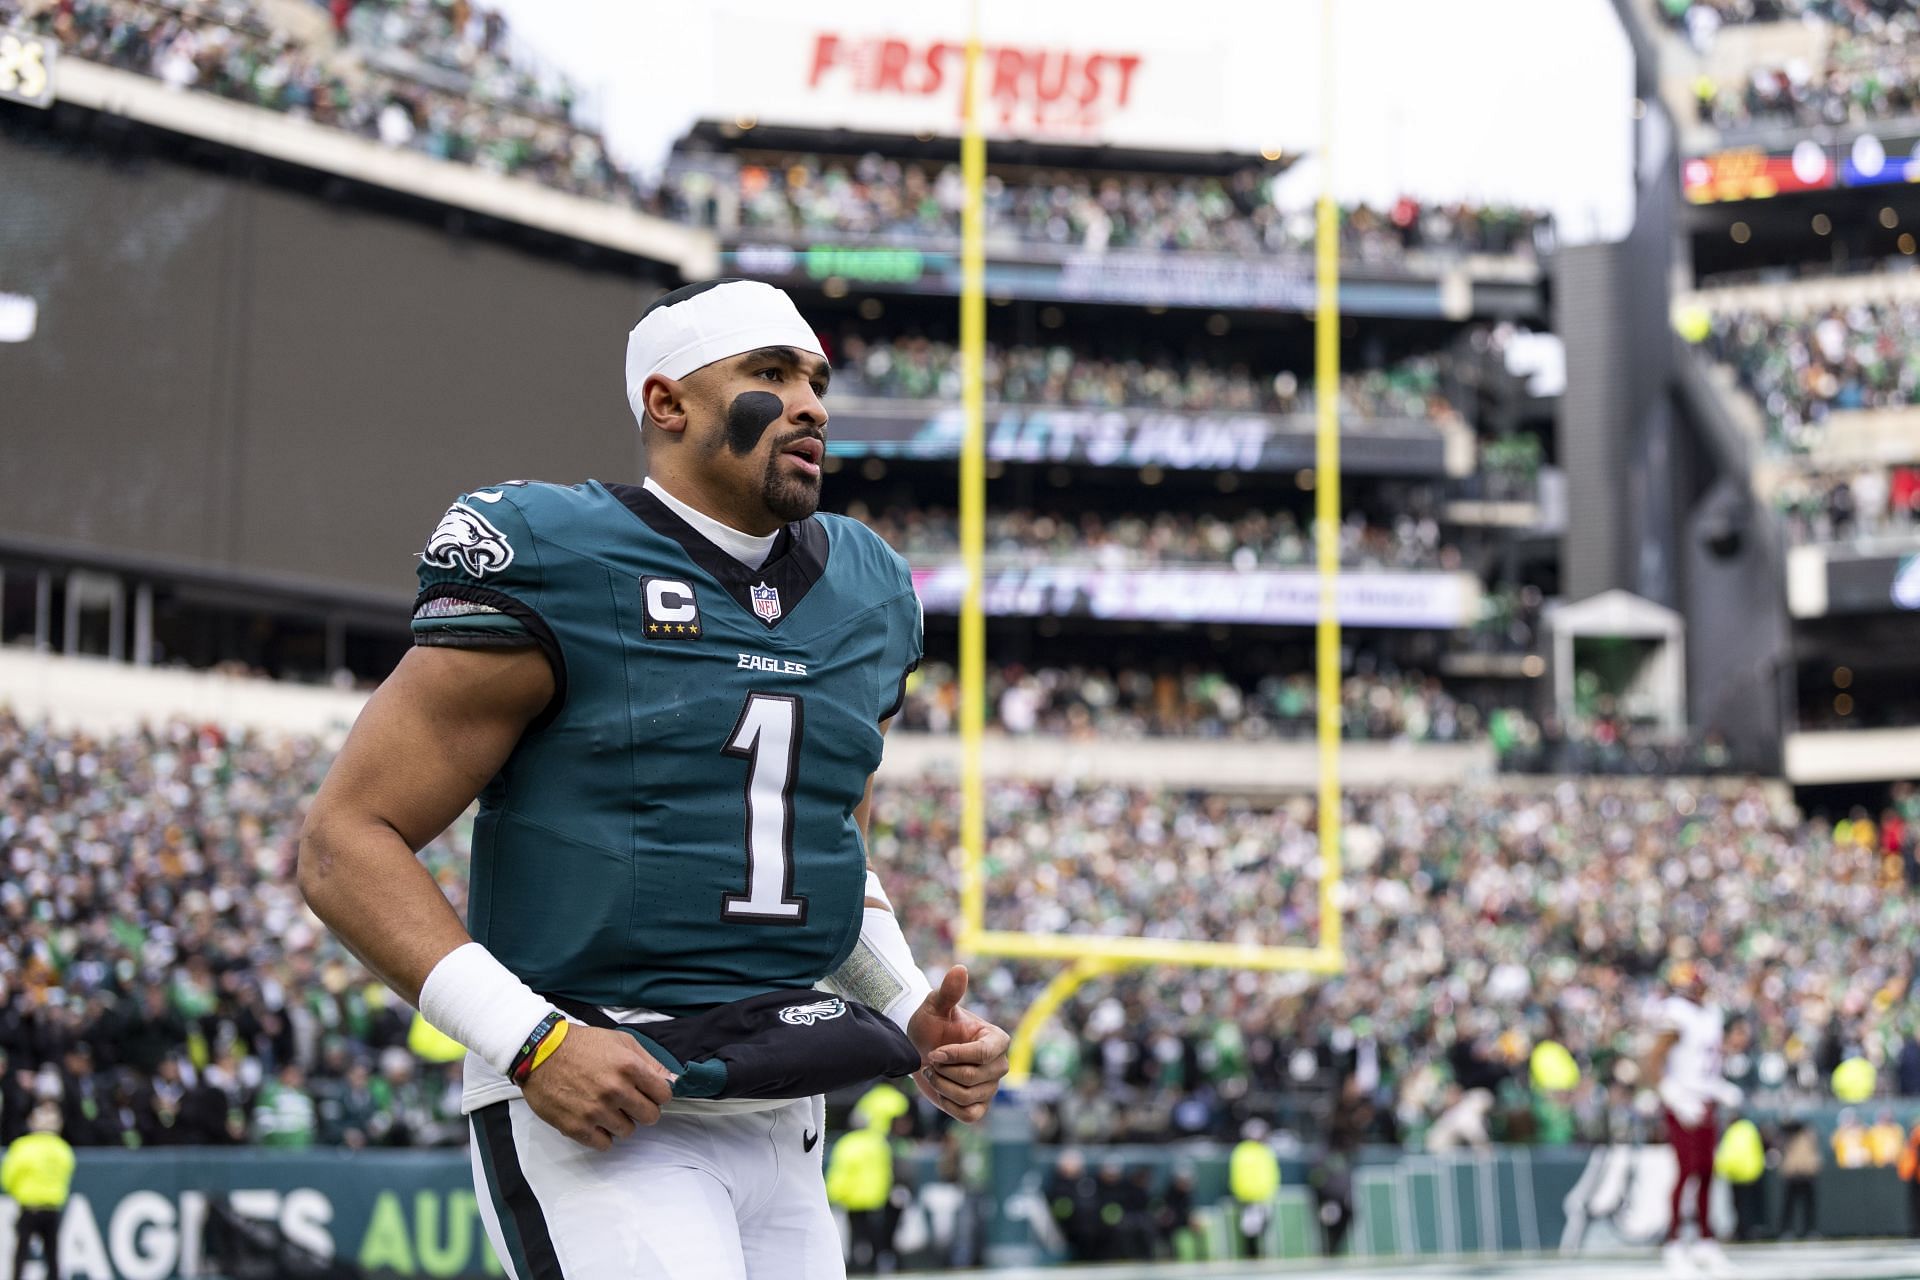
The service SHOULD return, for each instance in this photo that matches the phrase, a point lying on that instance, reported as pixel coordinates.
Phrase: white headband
(711, 322)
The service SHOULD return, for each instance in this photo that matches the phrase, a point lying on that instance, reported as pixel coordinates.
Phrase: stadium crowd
(448, 80)
(924, 369)
(1083, 702)
(1253, 540)
(161, 980)
(434, 78)
(1480, 922)
(1860, 80)
(1856, 505)
(1804, 366)
(882, 199)
(159, 975)
(1701, 19)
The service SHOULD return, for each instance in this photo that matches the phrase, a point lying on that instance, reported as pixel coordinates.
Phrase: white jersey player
(1685, 1069)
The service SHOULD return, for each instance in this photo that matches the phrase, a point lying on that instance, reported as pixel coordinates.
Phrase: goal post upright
(973, 499)
(1087, 957)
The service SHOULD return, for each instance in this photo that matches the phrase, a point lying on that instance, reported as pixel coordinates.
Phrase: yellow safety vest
(38, 1171)
(860, 1170)
(1253, 1172)
(1741, 1157)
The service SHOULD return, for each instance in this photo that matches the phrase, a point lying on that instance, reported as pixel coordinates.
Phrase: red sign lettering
(1024, 88)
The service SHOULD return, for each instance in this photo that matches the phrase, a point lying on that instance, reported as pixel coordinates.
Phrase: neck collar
(748, 549)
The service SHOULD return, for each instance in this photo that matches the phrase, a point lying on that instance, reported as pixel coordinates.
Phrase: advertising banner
(1754, 173)
(1275, 598)
(1828, 159)
(906, 77)
(1132, 438)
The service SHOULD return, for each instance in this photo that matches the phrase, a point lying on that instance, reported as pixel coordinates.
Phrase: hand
(962, 1057)
(597, 1086)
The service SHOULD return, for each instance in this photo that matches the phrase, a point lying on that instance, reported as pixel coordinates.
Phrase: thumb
(942, 1000)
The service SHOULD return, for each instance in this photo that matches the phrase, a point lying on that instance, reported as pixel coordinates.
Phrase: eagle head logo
(464, 539)
(805, 1015)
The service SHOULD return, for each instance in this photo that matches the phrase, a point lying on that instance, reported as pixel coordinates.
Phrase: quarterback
(669, 700)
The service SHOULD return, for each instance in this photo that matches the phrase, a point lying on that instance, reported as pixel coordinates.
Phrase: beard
(787, 496)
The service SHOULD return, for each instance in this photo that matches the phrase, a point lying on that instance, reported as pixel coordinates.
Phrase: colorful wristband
(522, 1064)
(548, 1045)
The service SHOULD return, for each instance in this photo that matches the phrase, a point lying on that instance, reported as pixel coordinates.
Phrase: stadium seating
(880, 198)
(920, 368)
(1255, 539)
(151, 915)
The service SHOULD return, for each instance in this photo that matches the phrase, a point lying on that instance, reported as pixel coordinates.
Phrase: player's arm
(1655, 1066)
(863, 819)
(427, 742)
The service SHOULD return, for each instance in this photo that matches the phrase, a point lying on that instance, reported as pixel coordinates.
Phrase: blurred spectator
(1741, 1159)
(1850, 1147)
(1253, 1174)
(37, 1175)
(1885, 1140)
(1073, 1198)
(1801, 1160)
(1909, 1169)
(1463, 1123)
(1177, 1229)
(283, 1114)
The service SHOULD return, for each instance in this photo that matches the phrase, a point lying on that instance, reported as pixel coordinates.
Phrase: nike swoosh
(808, 1141)
(486, 497)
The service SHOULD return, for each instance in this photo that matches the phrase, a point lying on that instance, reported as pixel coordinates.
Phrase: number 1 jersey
(676, 830)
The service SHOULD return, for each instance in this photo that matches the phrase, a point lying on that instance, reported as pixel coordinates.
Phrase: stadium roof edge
(693, 252)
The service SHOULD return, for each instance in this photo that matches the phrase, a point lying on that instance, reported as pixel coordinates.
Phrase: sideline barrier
(141, 1215)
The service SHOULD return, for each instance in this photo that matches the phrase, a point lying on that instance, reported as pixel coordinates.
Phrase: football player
(1685, 1069)
(669, 700)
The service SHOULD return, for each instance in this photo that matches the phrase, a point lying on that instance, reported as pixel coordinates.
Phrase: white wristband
(881, 973)
(876, 891)
(480, 1003)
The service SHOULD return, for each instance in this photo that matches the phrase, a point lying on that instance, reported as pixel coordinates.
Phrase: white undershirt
(748, 549)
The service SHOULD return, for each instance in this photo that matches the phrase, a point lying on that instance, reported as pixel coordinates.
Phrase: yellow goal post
(1087, 957)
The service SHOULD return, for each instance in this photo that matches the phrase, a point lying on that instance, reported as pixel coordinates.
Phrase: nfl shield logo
(766, 602)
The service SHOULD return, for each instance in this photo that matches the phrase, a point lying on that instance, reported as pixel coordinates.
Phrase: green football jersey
(676, 830)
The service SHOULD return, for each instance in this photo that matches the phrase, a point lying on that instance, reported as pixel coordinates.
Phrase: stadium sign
(1271, 598)
(1887, 157)
(26, 67)
(908, 75)
(1177, 441)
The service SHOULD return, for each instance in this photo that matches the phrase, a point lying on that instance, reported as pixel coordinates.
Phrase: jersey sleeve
(906, 640)
(482, 584)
